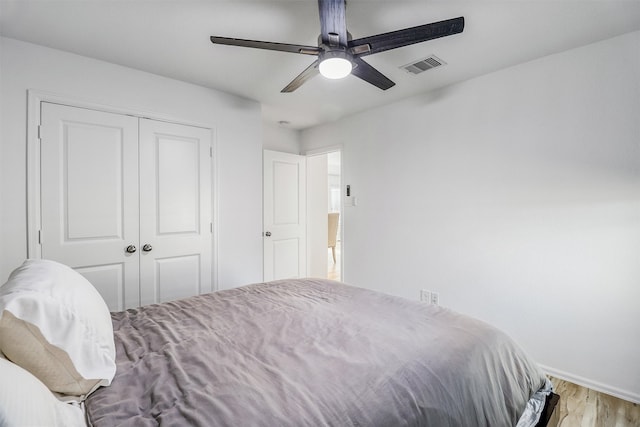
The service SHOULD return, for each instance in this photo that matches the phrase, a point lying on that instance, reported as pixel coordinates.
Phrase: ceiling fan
(339, 55)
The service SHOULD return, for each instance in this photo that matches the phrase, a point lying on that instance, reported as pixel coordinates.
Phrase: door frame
(34, 100)
(326, 150)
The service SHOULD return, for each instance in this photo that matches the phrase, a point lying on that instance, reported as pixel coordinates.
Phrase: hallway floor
(333, 271)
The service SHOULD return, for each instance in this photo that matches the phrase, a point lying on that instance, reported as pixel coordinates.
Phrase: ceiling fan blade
(333, 22)
(282, 47)
(408, 36)
(308, 73)
(370, 75)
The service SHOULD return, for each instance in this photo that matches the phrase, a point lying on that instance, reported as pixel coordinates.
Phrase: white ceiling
(171, 38)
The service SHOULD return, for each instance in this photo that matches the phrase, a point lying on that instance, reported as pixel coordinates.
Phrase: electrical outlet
(429, 297)
(425, 296)
(434, 298)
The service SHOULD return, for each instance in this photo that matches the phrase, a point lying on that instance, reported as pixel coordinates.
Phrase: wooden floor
(583, 407)
(333, 272)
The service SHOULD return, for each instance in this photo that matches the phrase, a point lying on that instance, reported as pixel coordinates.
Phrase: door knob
(131, 249)
(268, 234)
(147, 247)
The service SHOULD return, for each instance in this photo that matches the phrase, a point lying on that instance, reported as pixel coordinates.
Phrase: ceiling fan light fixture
(335, 65)
(339, 55)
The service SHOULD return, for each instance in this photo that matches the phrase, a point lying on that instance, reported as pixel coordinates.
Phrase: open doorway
(334, 216)
(324, 215)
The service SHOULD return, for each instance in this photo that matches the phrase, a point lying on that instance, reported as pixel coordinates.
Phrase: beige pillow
(55, 324)
(23, 342)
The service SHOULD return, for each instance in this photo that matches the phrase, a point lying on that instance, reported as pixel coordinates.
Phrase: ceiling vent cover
(423, 65)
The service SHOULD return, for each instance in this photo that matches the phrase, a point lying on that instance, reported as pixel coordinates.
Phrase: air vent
(423, 65)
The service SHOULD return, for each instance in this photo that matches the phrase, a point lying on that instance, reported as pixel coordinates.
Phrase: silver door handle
(147, 248)
(131, 249)
(268, 234)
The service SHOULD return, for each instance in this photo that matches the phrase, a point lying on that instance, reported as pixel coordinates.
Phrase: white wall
(279, 138)
(516, 196)
(236, 121)
(2, 205)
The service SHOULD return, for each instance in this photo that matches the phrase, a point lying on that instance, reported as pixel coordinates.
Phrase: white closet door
(89, 197)
(175, 211)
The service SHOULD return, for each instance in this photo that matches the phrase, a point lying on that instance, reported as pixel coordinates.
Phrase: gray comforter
(310, 353)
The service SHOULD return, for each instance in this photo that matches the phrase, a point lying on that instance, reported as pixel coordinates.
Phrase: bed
(311, 353)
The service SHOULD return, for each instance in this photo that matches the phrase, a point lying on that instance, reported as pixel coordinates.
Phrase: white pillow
(25, 401)
(55, 324)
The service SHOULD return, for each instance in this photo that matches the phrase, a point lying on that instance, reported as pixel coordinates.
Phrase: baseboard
(593, 385)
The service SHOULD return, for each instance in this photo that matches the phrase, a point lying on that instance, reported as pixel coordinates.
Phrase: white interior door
(284, 237)
(175, 211)
(127, 203)
(89, 197)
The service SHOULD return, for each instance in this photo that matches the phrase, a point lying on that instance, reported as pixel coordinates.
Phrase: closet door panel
(183, 270)
(109, 280)
(175, 211)
(178, 185)
(89, 197)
